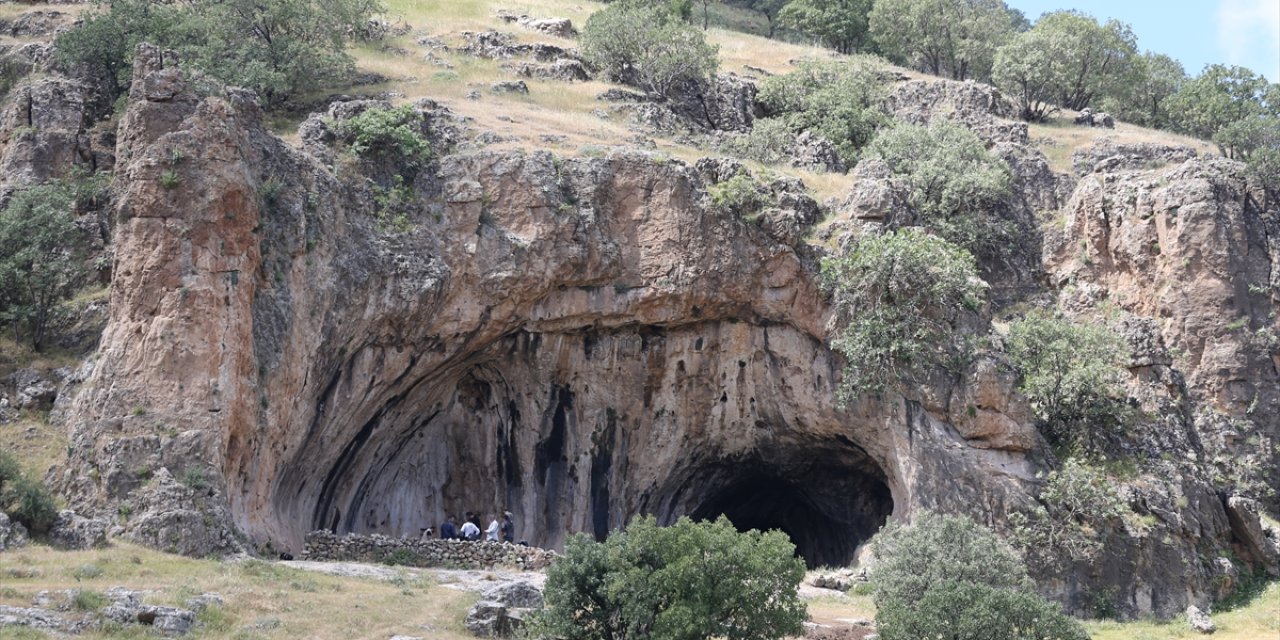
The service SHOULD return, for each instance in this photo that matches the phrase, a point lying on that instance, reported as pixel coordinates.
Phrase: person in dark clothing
(508, 528)
(448, 530)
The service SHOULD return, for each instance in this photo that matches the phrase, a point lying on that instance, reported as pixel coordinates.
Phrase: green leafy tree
(838, 100)
(953, 182)
(1219, 97)
(769, 9)
(647, 46)
(1153, 77)
(688, 581)
(1074, 375)
(954, 38)
(1075, 504)
(42, 252)
(278, 48)
(1256, 140)
(1067, 59)
(896, 296)
(948, 577)
(839, 24)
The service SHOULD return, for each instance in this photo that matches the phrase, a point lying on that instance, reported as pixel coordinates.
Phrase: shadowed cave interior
(569, 457)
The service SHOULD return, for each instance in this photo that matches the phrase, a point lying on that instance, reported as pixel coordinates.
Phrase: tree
(278, 48)
(1073, 374)
(948, 577)
(1256, 140)
(770, 10)
(688, 581)
(953, 182)
(955, 38)
(1076, 503)
(896, 296)
(1218, 97)
(42, 252)
(840, 24)
(838, 100)
(1067, 59)
(1153, 77)
(647, 46)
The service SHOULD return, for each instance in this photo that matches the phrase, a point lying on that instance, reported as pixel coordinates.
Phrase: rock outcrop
(579, 341)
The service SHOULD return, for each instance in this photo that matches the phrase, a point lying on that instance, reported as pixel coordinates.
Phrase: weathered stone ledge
(452, 554)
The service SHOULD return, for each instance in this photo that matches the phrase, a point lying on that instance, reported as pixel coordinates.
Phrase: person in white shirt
(470, 531)
(491, 534)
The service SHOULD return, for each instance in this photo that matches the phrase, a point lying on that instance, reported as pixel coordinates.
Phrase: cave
(827, 507)
(584, 431)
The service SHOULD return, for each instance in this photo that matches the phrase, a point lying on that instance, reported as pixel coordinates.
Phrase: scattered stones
(1108, 157)
(509, 86)
(558, 27)
(499, 46)
(1199, 620)
(563, 69)
(324, 545)
(34, 23)
(1100, 119)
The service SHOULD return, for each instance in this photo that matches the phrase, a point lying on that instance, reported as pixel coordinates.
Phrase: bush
(741, 194)
(953, 182)
(278, 48)
(1073, 374)
(948, 577)
(1076, 502)
(42, 251)
(25, 500)
(769, 141)
(387, 135)
(647, 46)
(896, 296)
(687, 581)
(838, 100)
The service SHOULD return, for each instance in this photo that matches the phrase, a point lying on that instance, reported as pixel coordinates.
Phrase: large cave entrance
(827, 504)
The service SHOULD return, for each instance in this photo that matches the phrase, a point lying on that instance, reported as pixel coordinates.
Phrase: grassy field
(261, 599)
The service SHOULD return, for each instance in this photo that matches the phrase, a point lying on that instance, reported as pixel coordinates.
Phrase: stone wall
(453, 554)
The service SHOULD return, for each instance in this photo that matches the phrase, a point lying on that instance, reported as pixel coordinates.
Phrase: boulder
(521, 595)
(12, 534)
(73, 531)
(1199, 620)
(1247, 527)
(489, 619)
(509, 86)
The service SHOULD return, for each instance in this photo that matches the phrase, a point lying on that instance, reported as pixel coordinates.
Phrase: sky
(1195, 32)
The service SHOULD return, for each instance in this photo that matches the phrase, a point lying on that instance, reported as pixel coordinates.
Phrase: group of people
(504, 531)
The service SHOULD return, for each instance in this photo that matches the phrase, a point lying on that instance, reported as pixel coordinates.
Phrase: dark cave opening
(828, 511)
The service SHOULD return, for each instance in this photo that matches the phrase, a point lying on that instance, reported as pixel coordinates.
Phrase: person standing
(491, 534)
(508, 528)
(470, 531)
(448, 530)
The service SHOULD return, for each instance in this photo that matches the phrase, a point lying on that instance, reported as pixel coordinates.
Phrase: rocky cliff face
(582, 340)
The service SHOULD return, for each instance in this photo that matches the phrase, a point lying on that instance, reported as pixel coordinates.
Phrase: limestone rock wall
(579, 341)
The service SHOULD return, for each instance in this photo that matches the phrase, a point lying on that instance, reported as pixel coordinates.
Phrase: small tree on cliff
(896, 296)
(949, 577)
(688, 581)
(42, 252)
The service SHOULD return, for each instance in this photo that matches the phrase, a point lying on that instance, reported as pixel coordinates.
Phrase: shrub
(896, 296)
(741, 194)
(278, 48)
(42, 251)
(952, 181)
(25, 500)
(769, 141)
(1073, 374)
(947, 576)
(387, 135)
(1076, 501)
(647, 46)
(838, 100)
(687, 581)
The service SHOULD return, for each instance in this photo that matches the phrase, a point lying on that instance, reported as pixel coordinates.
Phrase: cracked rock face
(577, 341)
